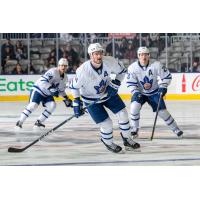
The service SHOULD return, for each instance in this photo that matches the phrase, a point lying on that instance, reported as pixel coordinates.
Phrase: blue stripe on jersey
(169, 76)
(154, 91)
(92, 99)
(46, 79)
(123, 71)
(71, 86)
(132, 91)
(40, 90)
(132, 82)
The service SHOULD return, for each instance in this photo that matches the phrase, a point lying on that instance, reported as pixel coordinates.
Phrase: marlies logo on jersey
(147, 83)
(101, 88)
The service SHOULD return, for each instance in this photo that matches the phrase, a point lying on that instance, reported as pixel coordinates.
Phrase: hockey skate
(134, 134)
(18, 126)
(130, 144)
(38, 125)
(113, 147)
(178, 132)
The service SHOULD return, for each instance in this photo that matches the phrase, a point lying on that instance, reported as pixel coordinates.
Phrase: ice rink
(78, 143)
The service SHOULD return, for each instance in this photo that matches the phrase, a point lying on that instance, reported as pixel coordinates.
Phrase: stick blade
(14, 150)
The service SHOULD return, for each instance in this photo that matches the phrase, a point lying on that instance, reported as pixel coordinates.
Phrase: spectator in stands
(19, 54)
(52, 56)
(195, 67)
(136, 41)
(148, 40)
(130, 53)
(7, 55)
(60, 53)
(158, 42)
(184, 68)
(109, 49)
(72, 56)
(123, 48)
(51, 63)
(20, 50)
(7, 52)
(18, 70)
(32, 69)
(7, 44)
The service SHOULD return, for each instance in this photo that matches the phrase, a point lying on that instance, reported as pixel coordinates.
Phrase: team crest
(147, 83)
(101, 88)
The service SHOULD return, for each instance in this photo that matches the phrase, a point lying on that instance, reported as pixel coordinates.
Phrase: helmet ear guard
(63, 61)
(95, 47)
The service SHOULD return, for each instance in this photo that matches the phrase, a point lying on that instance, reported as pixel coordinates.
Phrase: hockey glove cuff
(78, 107)
(54, 92)
(113, 87)
(163, 91)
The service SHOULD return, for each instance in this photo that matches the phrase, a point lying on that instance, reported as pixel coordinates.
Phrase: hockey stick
(155, 120)
(18, 150)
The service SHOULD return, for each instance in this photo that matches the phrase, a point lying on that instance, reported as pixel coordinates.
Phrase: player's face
(97, 57)
(62, 69)
(143, 58)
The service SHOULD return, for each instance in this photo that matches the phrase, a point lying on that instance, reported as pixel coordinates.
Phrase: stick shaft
(13, 149)
(155, 120)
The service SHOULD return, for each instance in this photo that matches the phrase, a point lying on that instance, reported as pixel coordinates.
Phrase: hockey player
(146, 80)
(52, 83)
(92, 82)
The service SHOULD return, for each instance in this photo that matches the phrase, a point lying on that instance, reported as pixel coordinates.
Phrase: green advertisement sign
(17, 85)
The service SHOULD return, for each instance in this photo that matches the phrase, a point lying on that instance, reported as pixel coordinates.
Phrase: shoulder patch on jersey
(49, 75)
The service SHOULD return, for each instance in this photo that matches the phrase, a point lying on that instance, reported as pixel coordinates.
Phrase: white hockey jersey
(51, 79)
(91, 83)
(148, 79)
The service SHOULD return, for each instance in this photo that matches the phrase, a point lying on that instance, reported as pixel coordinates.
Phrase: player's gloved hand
(67, 101)
(163, 91)
(54, 92)
(78, 107)
(113, 87)
(137, 96)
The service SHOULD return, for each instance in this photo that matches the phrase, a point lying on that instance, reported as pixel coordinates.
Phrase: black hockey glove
(113, 87)
(54, 92)
(67, 101)
(163, 91)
